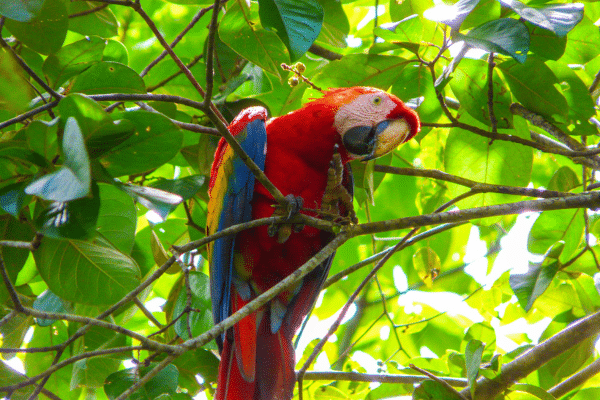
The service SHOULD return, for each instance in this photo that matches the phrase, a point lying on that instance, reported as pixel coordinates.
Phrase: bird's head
(371, 122)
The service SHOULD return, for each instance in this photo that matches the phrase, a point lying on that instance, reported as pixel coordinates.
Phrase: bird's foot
(337, 200)
(292, 207)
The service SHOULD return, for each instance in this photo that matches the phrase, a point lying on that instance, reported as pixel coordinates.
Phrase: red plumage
(257, 359)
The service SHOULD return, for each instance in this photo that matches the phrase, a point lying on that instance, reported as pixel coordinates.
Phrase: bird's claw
(292, 207)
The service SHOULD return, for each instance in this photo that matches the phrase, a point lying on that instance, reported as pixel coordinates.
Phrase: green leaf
(534, 390)
(101, 133)
(563, 180)
(48, 302)
(164, 382)
(201, 320)
(46, 32)
(86, 272)
(117, 218)
(101, 22)
(239, 30)
(186, 188)
(73, 59)
(359, 70)
(329, 392)
(432, 390)
(558, 18)
(15, 93)
(296, 22)
(14, 258)
(553, 226)
(471, 89)
(505, 36)
(42, 138)
(115, 51)
(532, 84)
(335, 27)
(581, 104)
(72, 180)
(21, 10)
(583, 43)
(13, 198)
(473, 157)
(156, 141)
(427, 264)
(531, 285)
(546, 44)
(75, 219)
(473, 354)
(402, 33)
(194, 362)
(108, 77)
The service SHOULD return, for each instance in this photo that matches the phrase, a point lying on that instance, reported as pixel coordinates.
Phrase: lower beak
(368, 142)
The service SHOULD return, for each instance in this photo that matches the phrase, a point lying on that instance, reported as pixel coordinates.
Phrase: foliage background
(96, 90)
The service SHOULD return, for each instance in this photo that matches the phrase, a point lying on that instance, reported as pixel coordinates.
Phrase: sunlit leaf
(558, 18)
(72, 180)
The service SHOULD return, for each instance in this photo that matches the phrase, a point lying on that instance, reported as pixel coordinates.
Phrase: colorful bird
(305, 155)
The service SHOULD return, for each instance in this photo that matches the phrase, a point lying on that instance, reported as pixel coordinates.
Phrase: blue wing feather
(230, 204)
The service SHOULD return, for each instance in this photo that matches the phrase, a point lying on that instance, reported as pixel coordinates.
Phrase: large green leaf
(15, 93)
(51, 303)
(430, 390)
(360, 70)
(72, 180)
(74, 219)
(583, 43)
(101, 22)
(21, 10)
(165, 382)
(470, 86)
(87, 272)
(553, 226)
(474, 157)
(108, 77)
(200, 320)
(532, 84)
(335, 27)
(296, 22)
(72, 59)
(117, 218)
(505, 36)
(100, 132)
(558, 18)
(239, 30)
(156, 141)
(581, 104)
(531, 285)
(46, 32)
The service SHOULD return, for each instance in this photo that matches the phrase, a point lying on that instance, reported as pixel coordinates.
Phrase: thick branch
(381, 378)
(583, 200)
(534, 358)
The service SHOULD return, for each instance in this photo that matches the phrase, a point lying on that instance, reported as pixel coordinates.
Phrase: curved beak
(368, 142)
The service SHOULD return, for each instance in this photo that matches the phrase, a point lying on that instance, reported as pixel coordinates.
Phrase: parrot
(305, 154)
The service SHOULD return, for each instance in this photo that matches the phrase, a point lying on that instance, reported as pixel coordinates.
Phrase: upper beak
(368, 142)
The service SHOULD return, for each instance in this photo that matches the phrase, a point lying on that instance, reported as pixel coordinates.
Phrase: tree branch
(537, 356)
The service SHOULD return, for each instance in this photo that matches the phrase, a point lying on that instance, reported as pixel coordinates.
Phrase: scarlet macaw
(296, 151)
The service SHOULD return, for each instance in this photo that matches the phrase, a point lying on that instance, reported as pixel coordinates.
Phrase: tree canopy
(110, 112)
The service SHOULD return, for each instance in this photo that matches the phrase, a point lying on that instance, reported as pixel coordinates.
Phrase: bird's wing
(231, 189)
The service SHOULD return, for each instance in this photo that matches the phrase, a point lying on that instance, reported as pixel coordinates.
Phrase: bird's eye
(377, 101)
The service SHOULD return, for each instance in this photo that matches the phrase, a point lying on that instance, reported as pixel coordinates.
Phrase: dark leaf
(505, 36)
(296, 22)
(558, 18)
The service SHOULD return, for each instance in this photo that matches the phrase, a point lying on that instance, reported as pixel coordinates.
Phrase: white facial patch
(366, 109)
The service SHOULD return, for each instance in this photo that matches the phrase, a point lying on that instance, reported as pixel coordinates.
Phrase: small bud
(300, 68)
(293, 81)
